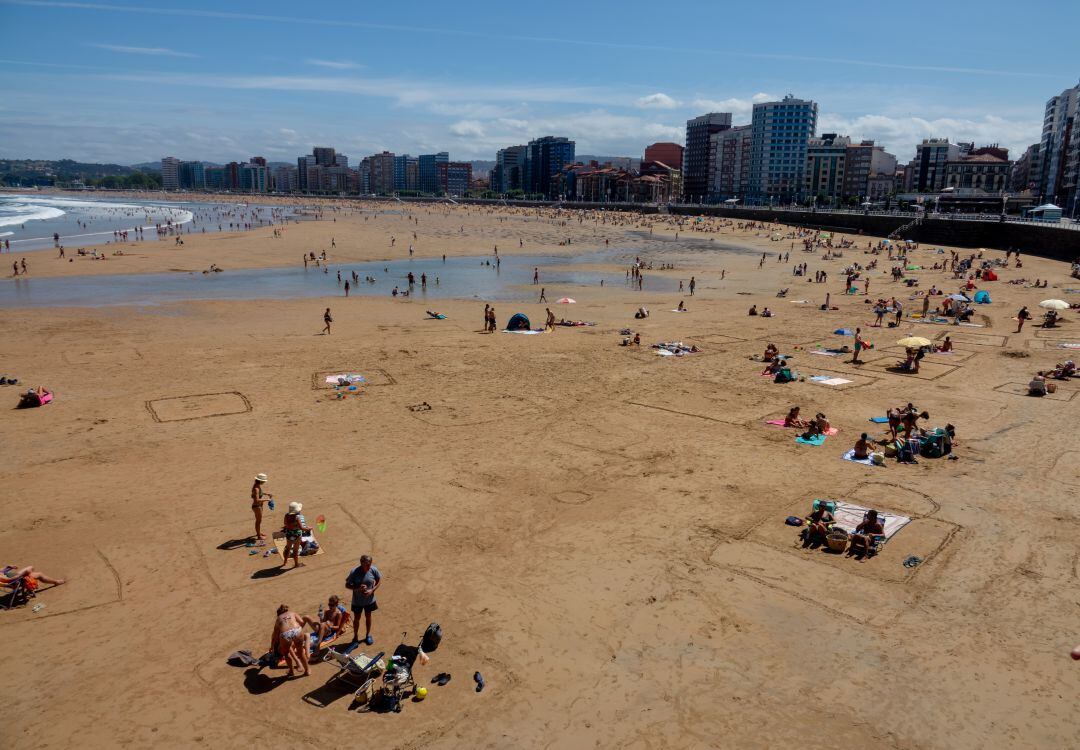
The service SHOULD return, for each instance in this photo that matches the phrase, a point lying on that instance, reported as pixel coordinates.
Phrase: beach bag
(432, 638)
(877, 459)
(783, 375)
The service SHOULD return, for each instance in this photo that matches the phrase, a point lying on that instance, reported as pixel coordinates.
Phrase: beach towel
(825, 353)
(347, 377)
(879, 420)
(832, 381)
(527, 333)
(1068, 346)
(848, 516)
(813, 440)
(850, 456)
(679, 311)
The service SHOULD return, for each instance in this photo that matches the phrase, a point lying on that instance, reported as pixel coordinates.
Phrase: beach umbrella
(844, 332)
(959, 298)
(915, 342)
(567, 301)
(1054, 304)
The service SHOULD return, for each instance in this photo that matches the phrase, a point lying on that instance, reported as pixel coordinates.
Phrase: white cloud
(899, 135)
(741, 109)
(656, 101)
(468, 129)
(333, 64)
(157, 51)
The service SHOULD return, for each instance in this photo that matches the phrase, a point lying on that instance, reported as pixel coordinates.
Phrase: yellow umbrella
(915, 342)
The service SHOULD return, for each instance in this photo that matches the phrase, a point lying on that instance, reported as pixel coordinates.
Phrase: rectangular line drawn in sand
(1021, 389)
(373, 377)
(198, 406)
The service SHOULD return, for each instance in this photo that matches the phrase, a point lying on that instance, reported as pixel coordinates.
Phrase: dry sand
(598, 530)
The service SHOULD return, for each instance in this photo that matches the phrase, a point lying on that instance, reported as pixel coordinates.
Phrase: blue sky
(126, 81)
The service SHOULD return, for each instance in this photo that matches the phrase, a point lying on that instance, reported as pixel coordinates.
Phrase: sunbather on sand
(288, 640)
(332, 621)
(862, 448)
(29, 574)
(862, 538)
(819, 425)
(792, 419)
(770, 352)
(817, 523)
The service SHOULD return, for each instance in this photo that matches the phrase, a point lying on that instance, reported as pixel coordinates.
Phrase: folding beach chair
(15, 593)
(357, 670)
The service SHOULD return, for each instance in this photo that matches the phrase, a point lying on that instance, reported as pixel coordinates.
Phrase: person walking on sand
(543, 297)
(1022, 316)
(259, 497)
(693, 285)
(536, 275)
(327, 320)
(550, 324)
(363, 581)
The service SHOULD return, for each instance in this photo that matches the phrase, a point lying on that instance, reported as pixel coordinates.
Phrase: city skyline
(208, 84)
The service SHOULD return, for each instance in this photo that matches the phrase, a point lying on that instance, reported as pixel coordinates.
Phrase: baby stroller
(398, 681)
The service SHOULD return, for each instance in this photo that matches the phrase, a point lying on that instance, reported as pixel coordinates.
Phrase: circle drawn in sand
(573, 497)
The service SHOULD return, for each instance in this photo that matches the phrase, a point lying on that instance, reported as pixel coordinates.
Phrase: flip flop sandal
(441, 679)
(479, 681)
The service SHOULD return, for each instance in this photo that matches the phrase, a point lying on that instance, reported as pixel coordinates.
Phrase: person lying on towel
(35, 397)
(435, 315)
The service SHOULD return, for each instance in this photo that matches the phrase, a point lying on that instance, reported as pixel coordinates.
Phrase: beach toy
(270, 503)
(320, 524)
(1076, 653)
(421, 693)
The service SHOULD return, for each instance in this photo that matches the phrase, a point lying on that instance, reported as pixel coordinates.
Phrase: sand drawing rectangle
(977, 339)
(198, 406)
(1021, 389)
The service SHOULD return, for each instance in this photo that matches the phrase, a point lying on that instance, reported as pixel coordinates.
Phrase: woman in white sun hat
(258, 498)
(294, 529)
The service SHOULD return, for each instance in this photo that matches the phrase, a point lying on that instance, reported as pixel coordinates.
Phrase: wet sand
(599, 530)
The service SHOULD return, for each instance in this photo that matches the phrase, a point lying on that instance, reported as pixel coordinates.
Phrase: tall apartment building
(546, 158)
(453, 178)
(192, 175)
(325, 156)
(381, 173)
(170, 173)
(1059, 151)
(928, 166)
(509, 170)
(1025, 171)
(285, 179)
(427, 164)
(254, 178)
(730, 162)
(781, 131)
(864, 161)
(826, 166)
(698, 154)
(307, 178)
(406, 172)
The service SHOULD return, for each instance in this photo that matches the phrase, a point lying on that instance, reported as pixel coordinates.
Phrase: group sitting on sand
(862, 542)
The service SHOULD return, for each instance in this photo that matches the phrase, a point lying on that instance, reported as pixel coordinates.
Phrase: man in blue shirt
(363, 580)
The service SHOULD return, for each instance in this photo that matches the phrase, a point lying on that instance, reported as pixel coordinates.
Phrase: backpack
(432, 638)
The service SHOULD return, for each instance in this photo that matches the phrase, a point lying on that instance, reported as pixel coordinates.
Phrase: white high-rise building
(170, 173)
(1059, 151)
(779, 136)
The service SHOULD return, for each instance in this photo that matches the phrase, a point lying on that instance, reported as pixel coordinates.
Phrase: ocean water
(29, 221)
(458, 278)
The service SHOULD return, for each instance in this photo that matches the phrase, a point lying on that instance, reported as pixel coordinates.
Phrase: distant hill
(45, 172)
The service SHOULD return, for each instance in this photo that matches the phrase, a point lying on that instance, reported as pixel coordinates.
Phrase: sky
(130, 81)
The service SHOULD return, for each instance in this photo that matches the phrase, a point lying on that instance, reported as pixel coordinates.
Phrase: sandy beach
(599, 530)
